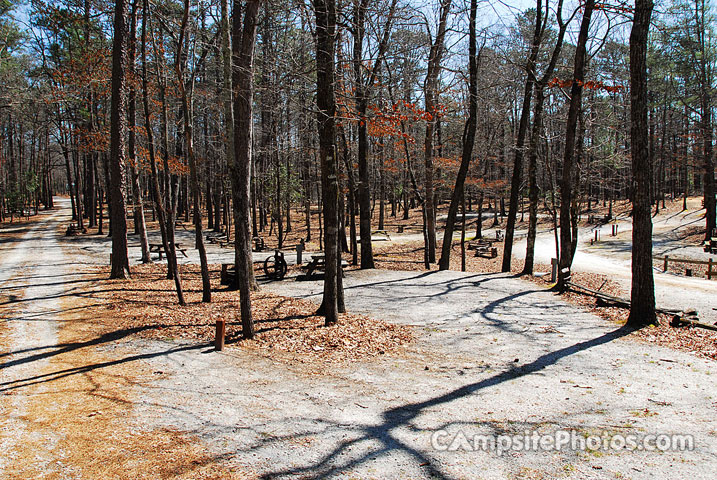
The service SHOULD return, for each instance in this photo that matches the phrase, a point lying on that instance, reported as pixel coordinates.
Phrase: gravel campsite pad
(488, 355)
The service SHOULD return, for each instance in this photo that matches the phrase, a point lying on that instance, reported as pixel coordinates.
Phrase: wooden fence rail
(711, 264)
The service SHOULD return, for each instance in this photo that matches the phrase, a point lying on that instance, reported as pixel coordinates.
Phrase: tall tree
(469, 135)
(187, 109)
(325, 12)
(523, 123)
(568, 215)
(363, 86)
(430, 91)
(535, 136)
(243, 41)
(118, 132)
(642, 304)
(154, 177)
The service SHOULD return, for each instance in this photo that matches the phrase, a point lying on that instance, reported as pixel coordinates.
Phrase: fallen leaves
(146, 305)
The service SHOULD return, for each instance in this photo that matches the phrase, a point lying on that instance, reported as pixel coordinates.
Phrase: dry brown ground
(72, 417)
(287, 328)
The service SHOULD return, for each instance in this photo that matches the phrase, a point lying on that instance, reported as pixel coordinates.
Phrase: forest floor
(110, 379)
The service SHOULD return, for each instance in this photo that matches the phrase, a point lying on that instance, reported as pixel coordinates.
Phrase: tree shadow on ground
(403, 417)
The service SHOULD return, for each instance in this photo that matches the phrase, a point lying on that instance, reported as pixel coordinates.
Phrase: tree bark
(243, 41)
(567, 240)
(118, 130)
(325, 11)
(642, 299)
(430, 89)
(469, 135)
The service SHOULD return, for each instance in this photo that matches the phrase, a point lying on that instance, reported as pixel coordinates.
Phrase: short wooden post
(219, 335)
(554, 270)
(664, 267)
(299, 250)
(596, 234)
(709, 269)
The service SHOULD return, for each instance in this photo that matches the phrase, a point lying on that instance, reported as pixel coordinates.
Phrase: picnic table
(216, 237)
(318, 262)
(259, 244)
(275, 268)
(159, 248)
(488, 252)
(479, 242)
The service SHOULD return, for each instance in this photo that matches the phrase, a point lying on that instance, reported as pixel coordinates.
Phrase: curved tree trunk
(568, 241)
(469, 135)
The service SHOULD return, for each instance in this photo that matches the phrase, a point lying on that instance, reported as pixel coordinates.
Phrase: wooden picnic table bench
(259, 244)
(215, 237)
(159, 248)
(383, 233)
(275, 268)
(479, 242)
(318, 262)
(73, 229)
(485, 251)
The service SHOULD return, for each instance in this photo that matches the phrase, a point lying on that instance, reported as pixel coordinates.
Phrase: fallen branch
(611, 299)
(679, 321)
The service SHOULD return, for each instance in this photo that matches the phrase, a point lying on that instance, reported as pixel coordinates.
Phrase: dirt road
(493, 356)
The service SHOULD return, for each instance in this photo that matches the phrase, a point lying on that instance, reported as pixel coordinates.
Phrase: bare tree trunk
(140, 225)
(469, 135)
(533, 146)
(156, 194)
(118, 130)
(363, 86)
(642, 299)
(243, 41)
(430, 89)
(189, 139)
(325, 11)
(567, 240)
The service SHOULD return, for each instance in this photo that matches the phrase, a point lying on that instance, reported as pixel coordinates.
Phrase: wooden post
(554, 270)
(299, 250)
(219, 335)
(596, 234)
(709, 269)
(664, 268)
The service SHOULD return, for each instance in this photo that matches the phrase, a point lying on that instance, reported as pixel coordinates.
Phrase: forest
(250, 118)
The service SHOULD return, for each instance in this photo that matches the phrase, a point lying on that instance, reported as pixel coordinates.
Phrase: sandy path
(68, 384)
(612, 257)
